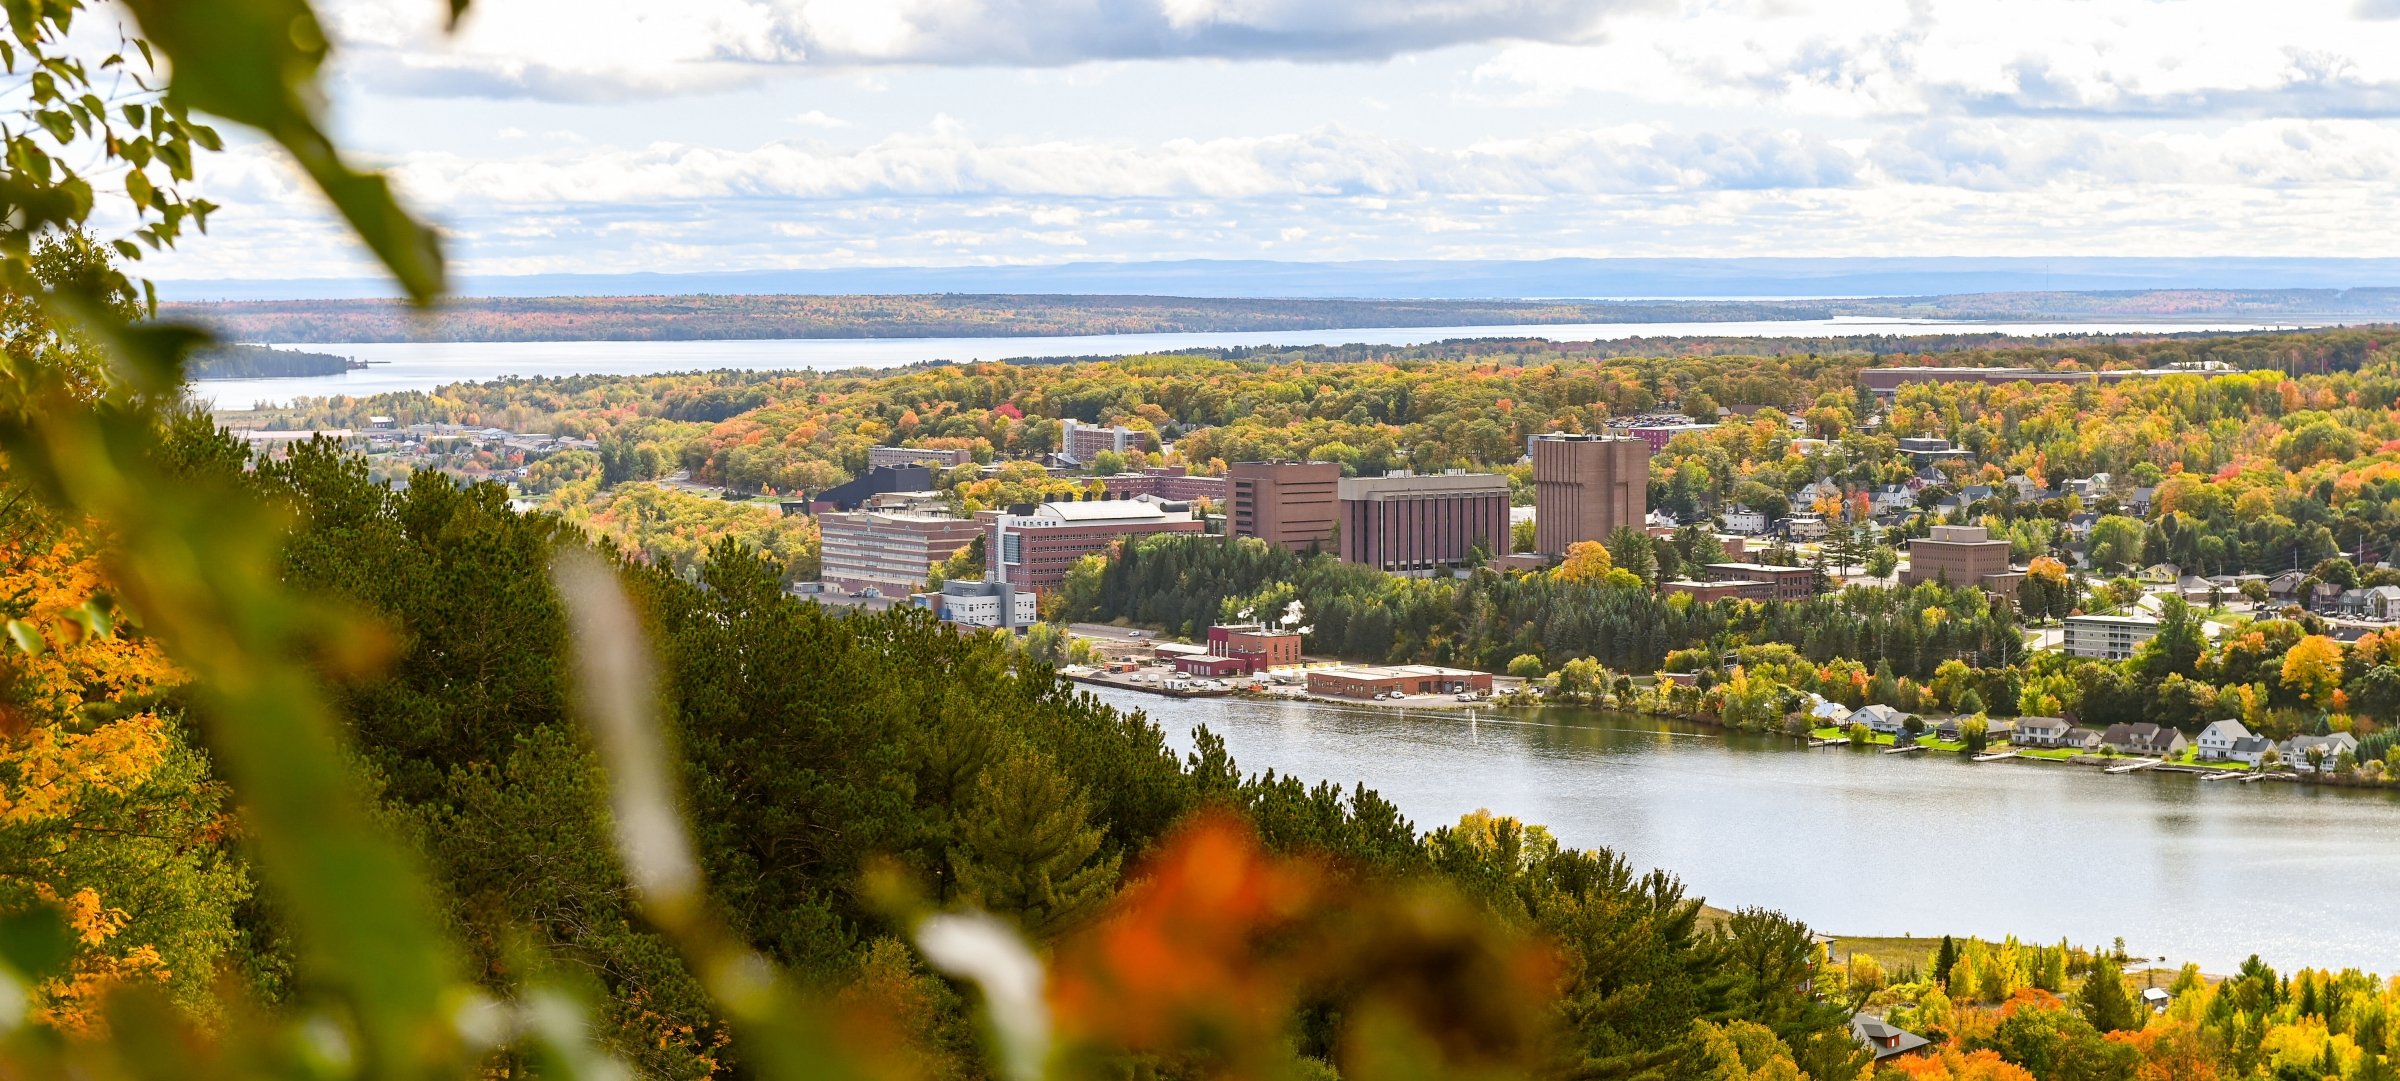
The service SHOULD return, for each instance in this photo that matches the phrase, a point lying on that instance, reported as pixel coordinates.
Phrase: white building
(2108, 638)
(977, 604)
(2217, 741)
(1743, 520)
(1805, 526)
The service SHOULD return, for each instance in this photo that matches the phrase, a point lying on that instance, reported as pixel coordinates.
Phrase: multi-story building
(1406, 523)
(876, 481)
(1785, 583)
(1586, 487)
(1961, 555)
(2108, 638)
(1294, 504)
(1743, 521)
(891, 552)
(880, 457)
(1031, 547)
(1721, 589)
(1659, 434)
(981, 604)
(1171, 482)
(1084, 442)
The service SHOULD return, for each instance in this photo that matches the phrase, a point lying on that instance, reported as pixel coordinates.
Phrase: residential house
(1995, 729)
(2250, 750)
(2143, 738)
(2157, 998)
(2041, 732)
(2216, 741)
(1881, 718)
(2137, 502)
(1805, 526)
(1743, 520)
(2329, 749)
(1884, 1041)
(2159, 574)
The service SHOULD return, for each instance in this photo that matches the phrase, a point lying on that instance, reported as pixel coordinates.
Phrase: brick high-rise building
(1585, 487)
(1294, 504)
(1410, 524)
(1961, 555)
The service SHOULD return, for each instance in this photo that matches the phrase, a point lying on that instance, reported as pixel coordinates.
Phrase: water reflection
(1858, 842)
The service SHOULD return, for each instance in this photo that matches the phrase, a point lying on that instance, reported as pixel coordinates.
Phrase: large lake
(1866, 844)
(405, 366)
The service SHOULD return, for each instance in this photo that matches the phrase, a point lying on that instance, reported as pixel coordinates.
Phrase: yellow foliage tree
(2313, 668)
(105, 814)
(1586, 561)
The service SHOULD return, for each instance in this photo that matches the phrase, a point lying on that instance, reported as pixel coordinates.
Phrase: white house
(2296, 750)
(2041, 732)
(1805, 526)
(1743, 520)
(2216, 741)
(1881, 718)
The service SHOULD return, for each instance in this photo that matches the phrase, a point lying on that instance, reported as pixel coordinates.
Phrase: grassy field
(1894, 954)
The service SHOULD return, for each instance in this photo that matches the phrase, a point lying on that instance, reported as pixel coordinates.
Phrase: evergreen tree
(1945, 959)
(1027, 850)
(2104, 1001)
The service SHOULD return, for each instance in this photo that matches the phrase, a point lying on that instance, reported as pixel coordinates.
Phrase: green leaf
(36, 942)
(23, 635)
(255, 62)
(137, 186)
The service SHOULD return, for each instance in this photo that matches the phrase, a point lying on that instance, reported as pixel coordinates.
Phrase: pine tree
(2103, 1000)
(1026, 847)
(1944, 960)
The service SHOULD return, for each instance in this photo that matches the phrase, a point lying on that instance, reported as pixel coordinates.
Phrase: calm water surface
(424, 366)
(1874, 845)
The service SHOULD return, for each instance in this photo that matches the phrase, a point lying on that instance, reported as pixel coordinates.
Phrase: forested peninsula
(706, 317)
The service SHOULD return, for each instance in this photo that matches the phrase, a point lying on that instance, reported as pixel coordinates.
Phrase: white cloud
(616, 49)
(1881, 57)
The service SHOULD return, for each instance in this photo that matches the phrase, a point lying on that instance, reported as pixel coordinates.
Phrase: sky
(612, 136)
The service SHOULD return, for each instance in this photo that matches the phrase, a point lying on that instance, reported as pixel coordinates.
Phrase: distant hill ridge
(707, 317)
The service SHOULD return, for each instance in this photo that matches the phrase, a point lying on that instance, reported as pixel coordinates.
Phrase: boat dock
(1905, 750)
(1834, 742)
(2134, 766)
(1995, 756)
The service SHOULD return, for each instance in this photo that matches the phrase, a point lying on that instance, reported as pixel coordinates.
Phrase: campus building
(1405, 523)
(1031, 547)
(1294, 504)
(1084, 442)
(1782, 583)
(882, 457)
(875, 481)
(1585, 487)
(980, 604)
(1352, 681)
(892, 553)
(1961, 555)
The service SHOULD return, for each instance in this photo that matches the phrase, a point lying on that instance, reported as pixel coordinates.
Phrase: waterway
(406, 366)
(1868, 844)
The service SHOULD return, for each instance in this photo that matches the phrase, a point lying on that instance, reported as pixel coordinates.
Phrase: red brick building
(1294, 504)
(1785, 583)
(1268, 647)
(1404, 523)
(1031, 547)
(1363, 682)
(1586, 487)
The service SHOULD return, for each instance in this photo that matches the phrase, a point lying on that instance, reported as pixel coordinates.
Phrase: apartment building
(2108, 638)
(1083, 442)
(1783, 583)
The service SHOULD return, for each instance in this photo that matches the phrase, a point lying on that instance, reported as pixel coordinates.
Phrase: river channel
(1867, 844)
(406, 366)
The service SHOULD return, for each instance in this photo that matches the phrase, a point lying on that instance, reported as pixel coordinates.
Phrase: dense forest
(706, 316)
(687, 318)
(237, 361)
